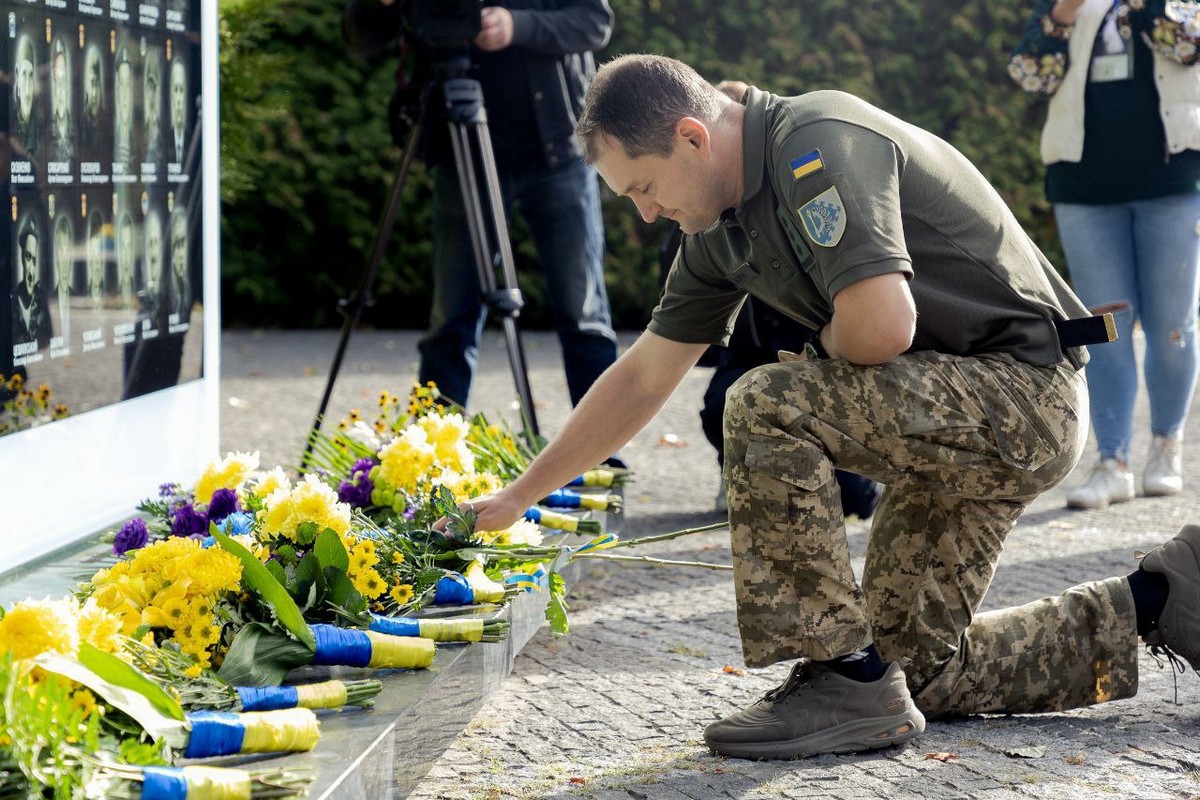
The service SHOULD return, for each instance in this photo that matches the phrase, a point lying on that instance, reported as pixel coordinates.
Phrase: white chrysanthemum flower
(265, 483)
(365, 435)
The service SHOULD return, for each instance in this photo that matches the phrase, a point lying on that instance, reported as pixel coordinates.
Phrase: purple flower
(409, 512)
(167, 489)
(133, 535)
(224, 502)
(186, 520)
(357, 490)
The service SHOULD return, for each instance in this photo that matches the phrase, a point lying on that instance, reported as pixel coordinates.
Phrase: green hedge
(308, 161)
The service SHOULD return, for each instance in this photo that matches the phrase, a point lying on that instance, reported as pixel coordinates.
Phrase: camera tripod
(486, 224)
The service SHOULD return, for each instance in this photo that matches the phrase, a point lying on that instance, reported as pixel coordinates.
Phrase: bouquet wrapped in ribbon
(605, 477)
(568, 498)
(263, 653)
(194, 781)
(470, 587)
(562, 522)
(202, 690)
(442, 630)
(55, 745)
(230, 733)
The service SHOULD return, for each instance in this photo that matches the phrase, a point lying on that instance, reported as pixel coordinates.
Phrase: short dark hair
(29, 228)
(637, 99)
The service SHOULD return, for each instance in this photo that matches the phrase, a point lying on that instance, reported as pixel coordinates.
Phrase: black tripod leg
(352, 307)
(508, 269)
(469, 135)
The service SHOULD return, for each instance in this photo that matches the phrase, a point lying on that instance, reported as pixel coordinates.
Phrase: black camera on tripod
(434, 37)
(442, 23)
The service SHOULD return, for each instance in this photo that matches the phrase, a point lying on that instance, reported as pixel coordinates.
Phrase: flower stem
(665, 537)
(662, 562)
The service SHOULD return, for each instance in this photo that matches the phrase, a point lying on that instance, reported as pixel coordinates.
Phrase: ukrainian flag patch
(807, 164)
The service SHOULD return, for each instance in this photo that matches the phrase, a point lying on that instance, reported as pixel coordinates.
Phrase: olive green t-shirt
(837, 191)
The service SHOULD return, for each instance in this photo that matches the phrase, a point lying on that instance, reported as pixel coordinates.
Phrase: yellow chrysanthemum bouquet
(176, 590)
(77, 720)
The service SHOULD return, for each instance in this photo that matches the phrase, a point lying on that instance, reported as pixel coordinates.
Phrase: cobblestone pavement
(615, 709)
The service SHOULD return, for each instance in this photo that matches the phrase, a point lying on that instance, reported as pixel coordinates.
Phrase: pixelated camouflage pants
(962, 445)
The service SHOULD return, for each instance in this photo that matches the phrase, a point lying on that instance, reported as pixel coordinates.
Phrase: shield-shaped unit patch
(824, 217)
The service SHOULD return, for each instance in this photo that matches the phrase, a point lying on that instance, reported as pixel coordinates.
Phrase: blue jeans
(1147, 253)
(562, 207)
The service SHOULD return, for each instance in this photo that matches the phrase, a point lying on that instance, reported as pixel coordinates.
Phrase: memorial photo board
(105, 265)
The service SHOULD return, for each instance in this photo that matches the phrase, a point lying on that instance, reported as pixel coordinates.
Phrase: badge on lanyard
(1112, 53)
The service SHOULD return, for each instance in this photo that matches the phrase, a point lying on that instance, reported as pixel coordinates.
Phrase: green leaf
(308, 569)
(120, 673)
(262, 656)
(277, 572)
(556, 608)
(271, 591)
(341, 590)
(460, 527)
(308, 576)
(330, 551)
(147, 713)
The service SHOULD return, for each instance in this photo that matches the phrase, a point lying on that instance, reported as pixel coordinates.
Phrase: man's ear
(693, 133)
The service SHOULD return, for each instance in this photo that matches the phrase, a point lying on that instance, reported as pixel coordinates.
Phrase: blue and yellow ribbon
(565, 498)
(223, 733)
(354, 648)
(529, 581)
(595, 477)
(195, 783)
(552, 519)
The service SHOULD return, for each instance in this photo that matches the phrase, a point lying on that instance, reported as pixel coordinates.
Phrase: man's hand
(497, 30)
(494, 512)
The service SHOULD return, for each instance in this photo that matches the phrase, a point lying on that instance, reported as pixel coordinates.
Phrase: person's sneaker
(1164, 470)
(817, 711)
(1178, 628)
(1110, 482)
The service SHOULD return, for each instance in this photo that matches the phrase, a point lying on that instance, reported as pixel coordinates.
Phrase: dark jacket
(555, 39)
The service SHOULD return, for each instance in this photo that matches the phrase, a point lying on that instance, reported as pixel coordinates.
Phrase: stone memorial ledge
(377, 753)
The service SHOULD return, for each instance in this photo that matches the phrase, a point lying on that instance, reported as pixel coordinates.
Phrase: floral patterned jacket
(1042, 60)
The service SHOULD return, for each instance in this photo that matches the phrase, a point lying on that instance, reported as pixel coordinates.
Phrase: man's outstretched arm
(618, 405)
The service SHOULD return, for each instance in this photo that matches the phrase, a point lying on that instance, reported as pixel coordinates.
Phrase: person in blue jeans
(1122, 148)
(533, 60)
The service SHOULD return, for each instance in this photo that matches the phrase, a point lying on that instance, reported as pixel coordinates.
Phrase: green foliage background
(308, 161)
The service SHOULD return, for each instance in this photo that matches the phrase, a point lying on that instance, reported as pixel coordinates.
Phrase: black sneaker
(1178, 629)
(817, 711)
